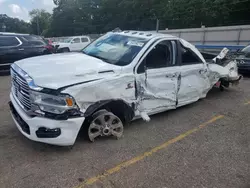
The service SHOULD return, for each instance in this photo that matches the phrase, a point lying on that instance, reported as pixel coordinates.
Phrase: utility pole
(157, 25)
(37, 25)
(3, 29)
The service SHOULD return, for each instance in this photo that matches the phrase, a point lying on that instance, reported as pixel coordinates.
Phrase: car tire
(103, 123)
(65, 50)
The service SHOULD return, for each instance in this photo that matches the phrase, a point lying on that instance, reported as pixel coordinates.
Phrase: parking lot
(205, 144)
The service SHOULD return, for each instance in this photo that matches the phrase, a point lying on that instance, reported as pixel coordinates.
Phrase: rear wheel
(64, 50)
(106, 124)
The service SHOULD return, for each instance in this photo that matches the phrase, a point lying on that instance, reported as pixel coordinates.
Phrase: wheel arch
(118, 107)
(63, 48)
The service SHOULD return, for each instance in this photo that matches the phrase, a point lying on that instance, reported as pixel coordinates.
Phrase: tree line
(77, 17)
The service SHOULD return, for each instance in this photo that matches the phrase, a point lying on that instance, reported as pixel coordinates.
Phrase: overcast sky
(20, 8)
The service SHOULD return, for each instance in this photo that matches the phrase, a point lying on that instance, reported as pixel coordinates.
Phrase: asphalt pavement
(205, 144)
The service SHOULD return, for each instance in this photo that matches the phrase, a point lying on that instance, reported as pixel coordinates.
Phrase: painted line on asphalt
(247, 103)
(134, 160)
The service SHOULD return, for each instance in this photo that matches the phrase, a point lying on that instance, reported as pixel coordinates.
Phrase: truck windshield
(246, 49)
(116, 49)
(68, 40)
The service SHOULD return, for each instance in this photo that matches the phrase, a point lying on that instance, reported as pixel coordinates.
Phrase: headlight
(52, 103)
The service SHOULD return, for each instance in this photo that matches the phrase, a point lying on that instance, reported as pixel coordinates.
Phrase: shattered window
(116, 49)
(160, 56)
(189, 57)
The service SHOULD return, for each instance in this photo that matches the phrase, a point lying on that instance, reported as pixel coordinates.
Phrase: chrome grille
(20, 89)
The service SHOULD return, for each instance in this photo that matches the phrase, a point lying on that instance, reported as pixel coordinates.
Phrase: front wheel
(65, 50)
(105, 123)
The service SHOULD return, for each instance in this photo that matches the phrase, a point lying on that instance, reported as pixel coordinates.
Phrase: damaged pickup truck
(116, 79)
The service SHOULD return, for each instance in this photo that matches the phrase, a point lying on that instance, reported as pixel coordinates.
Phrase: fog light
(44, 132)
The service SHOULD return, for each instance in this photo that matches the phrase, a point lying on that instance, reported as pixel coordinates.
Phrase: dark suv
(14, 47)
(244, 67)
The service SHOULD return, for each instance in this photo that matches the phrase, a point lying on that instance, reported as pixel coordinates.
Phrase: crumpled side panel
(229, 72)
(194, 85)
(120, 87)
(156, 93)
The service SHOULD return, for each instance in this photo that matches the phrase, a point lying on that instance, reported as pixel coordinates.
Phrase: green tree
(40, 22)
(14, 24)
(77, 17)
(99, 16)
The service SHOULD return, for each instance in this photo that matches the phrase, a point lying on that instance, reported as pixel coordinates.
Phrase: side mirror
(72, 42)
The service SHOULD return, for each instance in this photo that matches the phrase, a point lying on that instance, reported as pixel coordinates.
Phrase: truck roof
(76, 36)
(144, 34)
(9, 33)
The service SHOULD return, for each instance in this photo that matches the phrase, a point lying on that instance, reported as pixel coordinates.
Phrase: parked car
(50, 45)
(73, 44)
(116, 79)
(244, 66)
(14, 47)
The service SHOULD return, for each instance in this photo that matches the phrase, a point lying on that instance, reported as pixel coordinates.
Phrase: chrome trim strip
(25, 76)
(21, 90)
(5, 64)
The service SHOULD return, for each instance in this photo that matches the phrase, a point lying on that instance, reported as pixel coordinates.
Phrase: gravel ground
(217, 155)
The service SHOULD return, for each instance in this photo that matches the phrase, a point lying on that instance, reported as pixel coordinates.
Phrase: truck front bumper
(55, 132)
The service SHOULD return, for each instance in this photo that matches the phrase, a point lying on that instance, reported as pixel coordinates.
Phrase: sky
(20, 8)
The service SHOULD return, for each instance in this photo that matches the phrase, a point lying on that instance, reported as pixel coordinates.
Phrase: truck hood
(60, 70)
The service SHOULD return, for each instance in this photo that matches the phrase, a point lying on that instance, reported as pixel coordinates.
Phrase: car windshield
(246, 49)
(116, 49)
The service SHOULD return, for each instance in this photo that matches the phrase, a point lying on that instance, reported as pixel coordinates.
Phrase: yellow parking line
(247, 103)
(134, 160)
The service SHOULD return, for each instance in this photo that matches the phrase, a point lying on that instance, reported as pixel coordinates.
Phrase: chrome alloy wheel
(105, 124)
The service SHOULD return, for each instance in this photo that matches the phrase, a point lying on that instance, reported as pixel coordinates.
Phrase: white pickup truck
(119, 77)
(73, 44)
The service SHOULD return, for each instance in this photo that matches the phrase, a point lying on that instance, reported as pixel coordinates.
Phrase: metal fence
(230, 35)
(209, 38)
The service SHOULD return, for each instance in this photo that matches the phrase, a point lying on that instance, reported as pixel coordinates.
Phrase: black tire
(87, 122)
(93, 117)
(65, 50)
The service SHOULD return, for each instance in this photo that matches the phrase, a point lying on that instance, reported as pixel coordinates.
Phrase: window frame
(76, 42)
(20, 42)
(193, 53)
(149, 49)
(87, 40)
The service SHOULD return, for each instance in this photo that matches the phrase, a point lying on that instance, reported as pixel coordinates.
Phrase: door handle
(21, 49)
